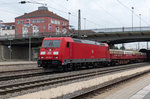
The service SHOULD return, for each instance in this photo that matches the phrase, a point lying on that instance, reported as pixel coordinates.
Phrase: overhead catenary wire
(73, 14)
(133, 12)
(108, 13)
(19, 10)
(57, 4)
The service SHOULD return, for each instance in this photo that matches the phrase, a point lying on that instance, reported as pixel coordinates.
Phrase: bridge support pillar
(2, 53)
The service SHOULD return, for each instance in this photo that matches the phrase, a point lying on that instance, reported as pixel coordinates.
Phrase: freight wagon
(125, 57)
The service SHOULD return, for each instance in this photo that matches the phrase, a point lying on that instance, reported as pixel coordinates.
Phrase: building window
(24, 31)
(13, 27)
(33, 21)
(21, 22)
(6, 28)
(38, 20)
(55, 21)
(18, 22)
(42, 20)
(58, 22)
(62, 23)
(52, 21)
(10, 28)
(35, 30)
(57, 30)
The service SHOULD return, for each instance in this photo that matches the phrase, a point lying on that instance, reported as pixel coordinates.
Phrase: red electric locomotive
(67, 52)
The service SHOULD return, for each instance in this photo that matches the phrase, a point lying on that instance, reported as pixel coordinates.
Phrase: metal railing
(86, 32)
(32, 35)
(122, 29)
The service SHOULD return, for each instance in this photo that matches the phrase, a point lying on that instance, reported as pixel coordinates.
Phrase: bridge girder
(116, 38)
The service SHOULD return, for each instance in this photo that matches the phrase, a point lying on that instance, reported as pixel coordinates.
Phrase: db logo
(92, 51)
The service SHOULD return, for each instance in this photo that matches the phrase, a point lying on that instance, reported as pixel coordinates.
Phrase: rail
(31, 35)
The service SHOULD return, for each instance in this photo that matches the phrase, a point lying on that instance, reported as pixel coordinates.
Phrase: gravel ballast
(77, 86)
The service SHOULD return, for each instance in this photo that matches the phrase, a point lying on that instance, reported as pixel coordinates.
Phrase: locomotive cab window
(51, 43)
(67, 45)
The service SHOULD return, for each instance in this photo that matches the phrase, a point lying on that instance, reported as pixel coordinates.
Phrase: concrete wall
(17, 53)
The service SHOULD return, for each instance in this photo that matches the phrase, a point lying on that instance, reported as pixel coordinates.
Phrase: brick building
(8, 29)
(41, 22)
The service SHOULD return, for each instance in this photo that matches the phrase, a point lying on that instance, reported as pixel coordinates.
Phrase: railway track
(19, 71)
(58, 79)
(18, 74)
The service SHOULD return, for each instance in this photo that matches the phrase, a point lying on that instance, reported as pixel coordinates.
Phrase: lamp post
(84, 23)
(147, 45)
(33, 2)
(79, 23)
(140, 30)
(29, 37)
(140, 21)
(30, 47)
(10, 49)
(69, 13)
(29, 34)
(132, 17)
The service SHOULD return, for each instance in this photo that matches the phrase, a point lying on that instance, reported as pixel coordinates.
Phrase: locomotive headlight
(42, 57)
(43, 53)
(55, 53)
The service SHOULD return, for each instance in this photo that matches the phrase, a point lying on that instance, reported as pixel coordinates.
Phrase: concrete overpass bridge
(109, 35)
(17, 46)
(120, 35)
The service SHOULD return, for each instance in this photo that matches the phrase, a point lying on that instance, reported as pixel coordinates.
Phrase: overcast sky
(98, 13)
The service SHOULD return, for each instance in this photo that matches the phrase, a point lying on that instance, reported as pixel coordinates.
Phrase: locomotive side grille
(67, 61)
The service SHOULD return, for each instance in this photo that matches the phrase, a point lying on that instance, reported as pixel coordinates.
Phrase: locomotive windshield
(51, 43)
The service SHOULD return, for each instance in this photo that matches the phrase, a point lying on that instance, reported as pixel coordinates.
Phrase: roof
(41, 13)
(88, 42)
(9, 23)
